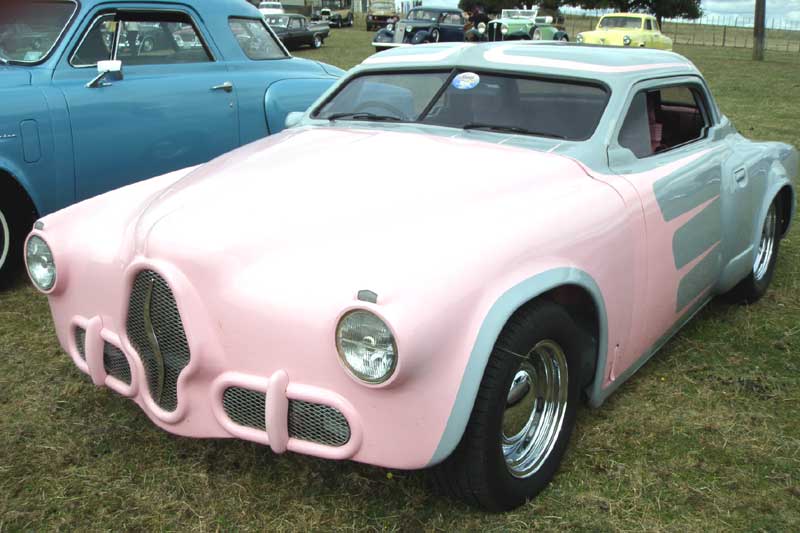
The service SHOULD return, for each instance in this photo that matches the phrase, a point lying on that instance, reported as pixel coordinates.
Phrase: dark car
(296, 31)
(422, 25)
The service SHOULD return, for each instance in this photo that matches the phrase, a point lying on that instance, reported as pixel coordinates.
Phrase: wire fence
(734, 32)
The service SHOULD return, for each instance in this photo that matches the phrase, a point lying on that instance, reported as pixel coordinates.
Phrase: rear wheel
(755, 285)
(523, 415)
(350, 20)
(435, 36)
(317, 41)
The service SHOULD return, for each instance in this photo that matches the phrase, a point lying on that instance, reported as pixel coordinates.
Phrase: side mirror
(106, 71)
(293, 119)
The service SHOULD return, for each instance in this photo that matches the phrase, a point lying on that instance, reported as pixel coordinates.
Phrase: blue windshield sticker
(466, 81)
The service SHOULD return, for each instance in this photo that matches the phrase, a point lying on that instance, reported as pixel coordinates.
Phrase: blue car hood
(14, 77)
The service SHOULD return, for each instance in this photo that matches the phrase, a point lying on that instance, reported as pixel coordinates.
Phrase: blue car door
(174, 106)
(451, 27)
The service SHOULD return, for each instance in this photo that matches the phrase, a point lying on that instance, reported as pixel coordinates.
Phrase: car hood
(14, 76)
(279, 204)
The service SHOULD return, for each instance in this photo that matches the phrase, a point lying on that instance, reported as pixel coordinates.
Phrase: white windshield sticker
(466, 81)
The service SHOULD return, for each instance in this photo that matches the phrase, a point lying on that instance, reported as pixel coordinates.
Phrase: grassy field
(705, 438)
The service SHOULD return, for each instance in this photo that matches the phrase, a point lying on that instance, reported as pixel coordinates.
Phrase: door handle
(227, 87)
(741, 176)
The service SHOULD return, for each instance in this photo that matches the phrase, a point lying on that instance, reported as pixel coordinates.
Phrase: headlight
(409, 29)
(580, 38)
(626, 40)
(390, 26)
(504, 29)
(41, 267)
(366, 346)
(481, 27)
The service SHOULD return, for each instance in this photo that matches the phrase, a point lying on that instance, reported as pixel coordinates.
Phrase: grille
(399, 32)
(156, 331)
(80, 342)
(116, 364)
(318, 423)
(494, 32)
(245, 407)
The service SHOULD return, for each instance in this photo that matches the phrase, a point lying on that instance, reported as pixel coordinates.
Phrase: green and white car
(525, 24)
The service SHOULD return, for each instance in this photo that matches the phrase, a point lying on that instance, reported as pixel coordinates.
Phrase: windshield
(630, 23)
(517, 13)
(423, 14)
(540, 107)
(277, 21)
(382, 5)
(270, 5)
(29, 30)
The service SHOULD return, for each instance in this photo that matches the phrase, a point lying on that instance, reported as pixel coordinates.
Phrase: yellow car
(627, 29)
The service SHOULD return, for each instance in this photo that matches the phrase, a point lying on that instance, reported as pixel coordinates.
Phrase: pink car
(559, 213)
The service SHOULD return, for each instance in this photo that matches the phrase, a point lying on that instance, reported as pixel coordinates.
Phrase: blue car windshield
(423, 14)
(29, 29)
(501, 103)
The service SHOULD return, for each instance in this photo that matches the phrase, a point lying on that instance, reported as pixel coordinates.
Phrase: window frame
(57, 42)
(280, 44)
(117, 33)
(699, 91)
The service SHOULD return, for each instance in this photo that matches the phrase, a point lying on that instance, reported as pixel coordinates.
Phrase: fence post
(724, 35)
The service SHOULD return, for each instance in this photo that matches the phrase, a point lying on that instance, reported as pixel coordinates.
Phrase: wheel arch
(570, 287)
(19, 189)
(788, 202)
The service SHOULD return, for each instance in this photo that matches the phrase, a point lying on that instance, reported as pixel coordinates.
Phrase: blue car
(98, 94)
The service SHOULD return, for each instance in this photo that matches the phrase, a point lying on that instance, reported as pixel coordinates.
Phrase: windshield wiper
(510, 129)
(364, 116)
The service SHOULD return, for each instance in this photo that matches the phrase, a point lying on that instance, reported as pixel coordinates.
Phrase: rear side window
(142, 38)
(256, 41)
(648, 24)
(660, 120)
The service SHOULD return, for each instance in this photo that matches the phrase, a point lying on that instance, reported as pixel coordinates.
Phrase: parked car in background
(523, 24)
(337, 13)
(420, 316)
(422, 25)
(296, 31)
(97, 94)
(380, 13)
(627, 29)
(271, 8)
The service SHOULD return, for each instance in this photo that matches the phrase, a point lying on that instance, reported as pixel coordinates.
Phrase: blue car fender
(289, 95)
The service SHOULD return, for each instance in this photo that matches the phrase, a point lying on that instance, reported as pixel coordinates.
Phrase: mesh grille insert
(80, 342)
(156, 332)
(245, 407)
(318, 423)
(116, 364)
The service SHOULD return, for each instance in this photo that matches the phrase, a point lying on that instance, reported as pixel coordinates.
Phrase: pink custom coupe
(560, 212)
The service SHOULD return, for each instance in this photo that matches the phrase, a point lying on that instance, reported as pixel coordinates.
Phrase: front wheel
(523, 415)
(755, 285)
(15, 223)
(435, 36)
(317, 41)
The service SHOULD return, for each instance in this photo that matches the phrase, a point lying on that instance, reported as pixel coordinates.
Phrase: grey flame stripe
(679, 195)
(699, 234)
(699, 278)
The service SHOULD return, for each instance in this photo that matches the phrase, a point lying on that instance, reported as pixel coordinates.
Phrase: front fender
(491, 326)
(384, 36)
(421, 36)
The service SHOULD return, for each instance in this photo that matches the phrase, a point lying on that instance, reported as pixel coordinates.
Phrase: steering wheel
(382, 105)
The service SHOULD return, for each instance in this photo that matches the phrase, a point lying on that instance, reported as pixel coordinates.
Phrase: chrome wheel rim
(536, 404)
(5, 239)
(766, 246)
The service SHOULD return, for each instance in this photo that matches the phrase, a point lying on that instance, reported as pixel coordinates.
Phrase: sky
(788, 10)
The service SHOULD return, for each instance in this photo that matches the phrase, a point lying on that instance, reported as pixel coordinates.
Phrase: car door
(649, 36)
(173, 108)
(451, 27)
(669, 149)
(295, 32)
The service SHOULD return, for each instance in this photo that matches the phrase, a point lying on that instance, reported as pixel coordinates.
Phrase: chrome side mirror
(293, 119)
(107, 71)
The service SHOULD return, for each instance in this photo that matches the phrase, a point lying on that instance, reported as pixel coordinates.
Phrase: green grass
(705, 438)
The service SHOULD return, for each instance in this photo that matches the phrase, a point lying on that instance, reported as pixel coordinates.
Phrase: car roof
(595, 63)
(628, 15)
(202, 6)
(435, 8)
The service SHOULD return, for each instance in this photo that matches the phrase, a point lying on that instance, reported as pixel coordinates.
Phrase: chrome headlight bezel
(579, 38)
(504, 29)
(627, 40)
(348, 359)
(40, 256)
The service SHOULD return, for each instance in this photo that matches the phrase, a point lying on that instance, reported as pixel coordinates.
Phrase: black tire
(435, 35)
(755, 285)
(477, 471)
(317, 42)
(350, 20)
(16, 220)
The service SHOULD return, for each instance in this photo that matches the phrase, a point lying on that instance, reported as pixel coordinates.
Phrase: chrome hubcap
(766, 247)
(535, 407)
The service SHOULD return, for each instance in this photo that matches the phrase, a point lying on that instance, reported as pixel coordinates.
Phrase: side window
(452, 18)
(141, 38)
(294, 24)
(97, 43)
(659, 120)
(648, 24)
(256, 41)
(159, 39)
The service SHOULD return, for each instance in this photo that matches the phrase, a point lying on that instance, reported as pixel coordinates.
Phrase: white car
(270, 8)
